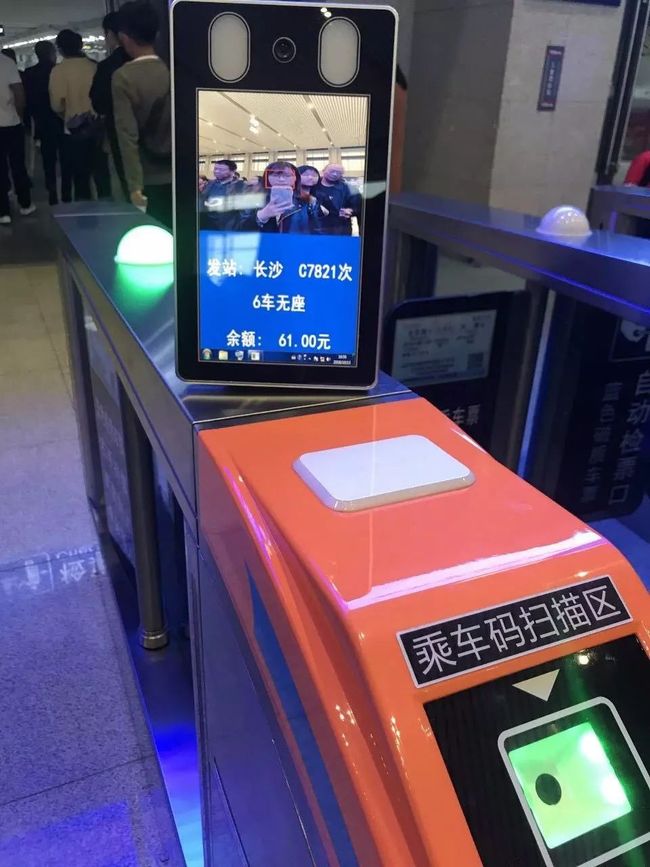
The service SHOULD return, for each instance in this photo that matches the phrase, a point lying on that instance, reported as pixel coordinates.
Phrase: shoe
(27, 211)
(5, 220)
(54, 199)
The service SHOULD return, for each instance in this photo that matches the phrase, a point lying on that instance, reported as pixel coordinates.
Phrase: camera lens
(548, 789)
(284, 49)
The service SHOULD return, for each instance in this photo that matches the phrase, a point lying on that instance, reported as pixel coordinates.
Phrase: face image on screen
(280, 197)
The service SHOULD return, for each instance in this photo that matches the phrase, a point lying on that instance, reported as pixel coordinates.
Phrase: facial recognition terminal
(282, 124)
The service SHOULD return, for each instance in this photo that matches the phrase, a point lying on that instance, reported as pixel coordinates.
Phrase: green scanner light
(146, 245)
(569, 784)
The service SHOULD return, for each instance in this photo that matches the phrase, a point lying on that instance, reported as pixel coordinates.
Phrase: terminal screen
(280, 198)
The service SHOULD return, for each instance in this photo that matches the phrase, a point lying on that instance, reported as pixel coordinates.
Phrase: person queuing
(47, 126)
(142, 109)
(254, 185)
(11, 54)
(12, 142)
(101, 95)
(310, 179)
(69, 87)
(338, 199)
(287, 208)
(215, 200)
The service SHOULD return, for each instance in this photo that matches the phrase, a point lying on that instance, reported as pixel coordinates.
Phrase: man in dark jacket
(216, 200)
(47, 126)
(339, 199)
(101, 94)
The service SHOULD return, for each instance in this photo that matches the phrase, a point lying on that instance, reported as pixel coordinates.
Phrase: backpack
(85, 126)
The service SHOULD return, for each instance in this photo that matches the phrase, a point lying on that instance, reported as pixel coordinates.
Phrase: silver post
(139, 463)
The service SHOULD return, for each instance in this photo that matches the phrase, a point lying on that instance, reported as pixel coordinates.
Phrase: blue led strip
(302, 732)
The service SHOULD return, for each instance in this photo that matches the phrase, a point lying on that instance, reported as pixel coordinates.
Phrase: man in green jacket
(142, 110)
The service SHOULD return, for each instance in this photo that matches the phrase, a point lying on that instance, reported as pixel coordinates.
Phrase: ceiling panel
(287, 113)
(345, 118)
(285, 121)
(50, 15)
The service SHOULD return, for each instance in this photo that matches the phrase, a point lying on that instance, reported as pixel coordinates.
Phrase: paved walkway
(80, 782)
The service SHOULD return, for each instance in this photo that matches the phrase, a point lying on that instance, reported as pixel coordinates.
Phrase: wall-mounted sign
(551, 73)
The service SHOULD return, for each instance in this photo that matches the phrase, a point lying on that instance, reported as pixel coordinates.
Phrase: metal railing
(618, 209)
(606, 270)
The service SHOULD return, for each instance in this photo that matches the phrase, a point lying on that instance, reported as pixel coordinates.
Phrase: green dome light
(146, 245)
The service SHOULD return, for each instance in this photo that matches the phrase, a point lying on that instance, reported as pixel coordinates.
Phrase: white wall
(473, 129)
(458, 63)
(547, 158)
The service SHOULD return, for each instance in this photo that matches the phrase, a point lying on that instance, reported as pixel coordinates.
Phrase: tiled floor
(28, 239)
(42, 507)
(80, 784)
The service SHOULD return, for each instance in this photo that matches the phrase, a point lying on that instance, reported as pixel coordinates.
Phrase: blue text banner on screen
(277, 293)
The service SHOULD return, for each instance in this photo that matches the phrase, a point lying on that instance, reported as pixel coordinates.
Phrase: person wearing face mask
(216, 203)
(341, 202)
(286, 209)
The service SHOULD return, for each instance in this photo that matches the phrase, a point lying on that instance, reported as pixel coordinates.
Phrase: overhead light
(33, 41)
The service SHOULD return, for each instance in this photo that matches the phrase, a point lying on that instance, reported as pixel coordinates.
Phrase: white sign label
(443, 348)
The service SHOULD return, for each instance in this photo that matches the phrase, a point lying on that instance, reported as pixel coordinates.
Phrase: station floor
(80, 784)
